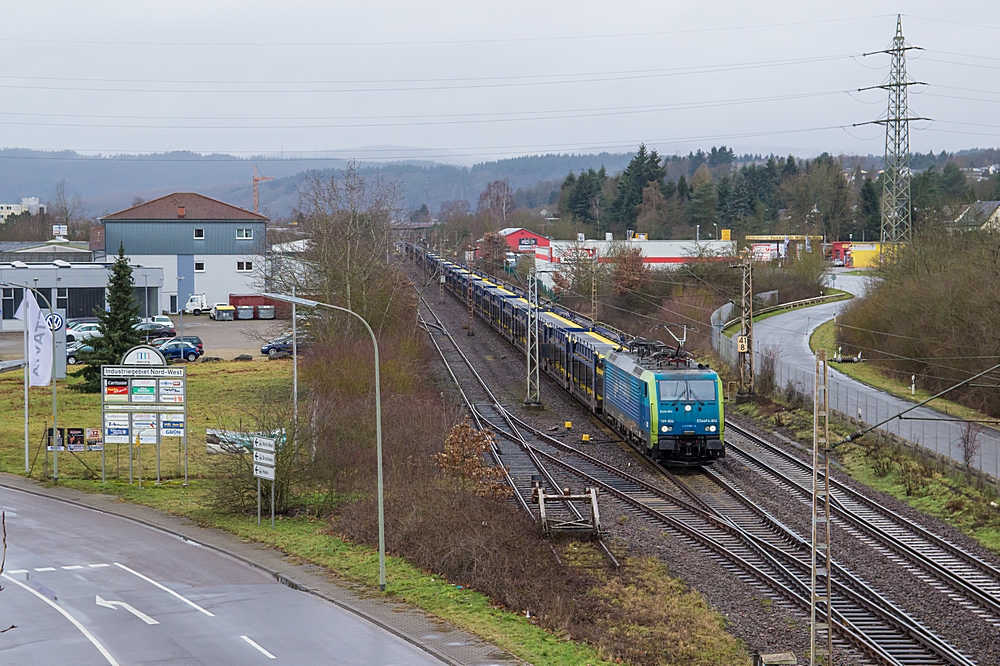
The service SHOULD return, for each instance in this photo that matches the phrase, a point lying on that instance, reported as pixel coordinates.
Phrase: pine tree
(117, 326)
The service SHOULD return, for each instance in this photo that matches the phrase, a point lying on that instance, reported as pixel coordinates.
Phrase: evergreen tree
(117, 326)
(683, 191)
(870, 208)
(789, 169)
(645, 168)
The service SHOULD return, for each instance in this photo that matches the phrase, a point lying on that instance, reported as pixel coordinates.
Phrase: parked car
(222, 312)
(77, 321)
(163, 320)
(176, 350)
(84, 331)
(151, 331)
(73, 350)
(193, 339)
(196, 304)
(838, 262)
(280, 344)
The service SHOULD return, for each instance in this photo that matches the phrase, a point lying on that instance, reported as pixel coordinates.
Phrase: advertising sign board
(75, 440)
(95, 441)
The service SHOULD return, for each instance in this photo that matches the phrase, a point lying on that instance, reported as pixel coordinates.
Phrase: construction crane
(256, 194)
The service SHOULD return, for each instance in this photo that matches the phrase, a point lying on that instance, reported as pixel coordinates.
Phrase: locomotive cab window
(671, 389)
(701, 389)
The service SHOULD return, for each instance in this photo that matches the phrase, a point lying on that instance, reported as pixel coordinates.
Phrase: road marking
(45, 569)
(73, 566)
(98, 566)
(114, 604)
(18, 571)
(263, 651)
(164, 588)
(76, 623)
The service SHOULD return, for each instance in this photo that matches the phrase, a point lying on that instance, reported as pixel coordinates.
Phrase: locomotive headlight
(712, 428)
(687, 408)
(666, 428)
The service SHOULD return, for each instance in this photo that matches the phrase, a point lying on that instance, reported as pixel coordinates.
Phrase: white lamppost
(378, 417)
(180, 308)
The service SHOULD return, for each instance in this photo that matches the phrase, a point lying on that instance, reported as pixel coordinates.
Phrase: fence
(922, 430)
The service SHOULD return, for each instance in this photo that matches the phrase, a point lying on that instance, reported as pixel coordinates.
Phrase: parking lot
(224, 339)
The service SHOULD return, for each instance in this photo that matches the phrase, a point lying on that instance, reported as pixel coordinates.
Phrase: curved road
(90, 589)
(789, 333)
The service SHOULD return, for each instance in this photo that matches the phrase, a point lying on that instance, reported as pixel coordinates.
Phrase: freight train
(655, 396)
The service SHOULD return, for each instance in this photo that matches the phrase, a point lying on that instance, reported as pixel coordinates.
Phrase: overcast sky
(470, 81)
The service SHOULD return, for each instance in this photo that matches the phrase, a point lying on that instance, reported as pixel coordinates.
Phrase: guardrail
(11, 365)
(816, 300)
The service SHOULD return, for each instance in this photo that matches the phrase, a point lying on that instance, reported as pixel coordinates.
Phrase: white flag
(39, 340)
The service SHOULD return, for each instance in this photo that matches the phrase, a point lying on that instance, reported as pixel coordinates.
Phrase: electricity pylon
(744, 341)
(897, 224)
(821, 611)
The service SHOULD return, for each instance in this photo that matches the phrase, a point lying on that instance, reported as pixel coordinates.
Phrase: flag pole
(27, 378)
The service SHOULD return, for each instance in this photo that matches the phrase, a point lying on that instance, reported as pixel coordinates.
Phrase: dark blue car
(280, 344)
(176, 350)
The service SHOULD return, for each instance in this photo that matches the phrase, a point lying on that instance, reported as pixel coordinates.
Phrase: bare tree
(495, 202)
(968, 442)
(349, 221)
(66, 208)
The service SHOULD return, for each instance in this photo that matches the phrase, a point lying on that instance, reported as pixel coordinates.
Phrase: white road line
(18, 571)
(263, 651)
(164, 588)
(98, 566)
(45, 569)
(73, 566)
(83, 630)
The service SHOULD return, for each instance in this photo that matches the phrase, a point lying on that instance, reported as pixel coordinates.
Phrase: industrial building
(78, 288)
(204, 246)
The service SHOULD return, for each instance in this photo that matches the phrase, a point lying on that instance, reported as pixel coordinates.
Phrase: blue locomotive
(655, 396)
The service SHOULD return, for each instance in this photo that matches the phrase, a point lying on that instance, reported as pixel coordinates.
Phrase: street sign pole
(272, 505)
(258, 501)
(264, 459)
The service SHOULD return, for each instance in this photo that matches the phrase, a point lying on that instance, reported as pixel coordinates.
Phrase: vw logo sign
(55, 321)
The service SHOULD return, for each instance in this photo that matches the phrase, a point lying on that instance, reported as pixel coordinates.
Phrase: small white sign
(263, 472)
(263, 458)
(263, 443)
(145, 426)
(143, 355)
(171, 425)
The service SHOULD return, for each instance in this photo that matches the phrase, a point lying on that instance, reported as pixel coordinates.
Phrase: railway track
(716, 519)
(943, 565)
(513, 447)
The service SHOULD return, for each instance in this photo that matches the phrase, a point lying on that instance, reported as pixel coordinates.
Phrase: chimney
(180, 211)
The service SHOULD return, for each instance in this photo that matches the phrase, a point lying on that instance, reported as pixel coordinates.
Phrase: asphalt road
(89, 589)
(790, 332)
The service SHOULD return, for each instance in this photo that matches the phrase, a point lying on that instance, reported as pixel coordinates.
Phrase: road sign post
(264, 459)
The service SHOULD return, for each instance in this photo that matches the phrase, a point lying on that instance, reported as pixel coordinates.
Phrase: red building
(521, 240)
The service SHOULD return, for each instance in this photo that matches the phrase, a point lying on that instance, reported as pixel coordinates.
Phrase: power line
(438, 42)
(540, 80)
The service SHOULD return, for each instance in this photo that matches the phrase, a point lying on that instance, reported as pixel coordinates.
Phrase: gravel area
(937, 610)
(764, 625)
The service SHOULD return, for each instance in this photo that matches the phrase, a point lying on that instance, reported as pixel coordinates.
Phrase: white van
(196, 304)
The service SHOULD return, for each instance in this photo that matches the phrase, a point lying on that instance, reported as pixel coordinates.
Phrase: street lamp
(378, 417)
(697, 233)
(716, 225)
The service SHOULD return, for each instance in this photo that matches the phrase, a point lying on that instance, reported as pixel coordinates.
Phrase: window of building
(62, 298)
(11, 300)
(244, 266)
(199, 267)
(199, 234)
(244, 234)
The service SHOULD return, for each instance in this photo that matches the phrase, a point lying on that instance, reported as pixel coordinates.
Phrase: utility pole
(821, 611)
(897, 224)
(593, 287)
(532, 397)
(744, 342)
(472, 314)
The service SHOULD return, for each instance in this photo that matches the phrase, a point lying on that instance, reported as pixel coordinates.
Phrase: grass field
(824, 338)
(220, 395)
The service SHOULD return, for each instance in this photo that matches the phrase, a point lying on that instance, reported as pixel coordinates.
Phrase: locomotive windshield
(696, 389)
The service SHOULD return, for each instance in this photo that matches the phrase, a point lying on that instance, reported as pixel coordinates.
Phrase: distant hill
(109, 184)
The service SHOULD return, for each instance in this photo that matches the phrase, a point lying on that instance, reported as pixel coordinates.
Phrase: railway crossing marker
(263, 468)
